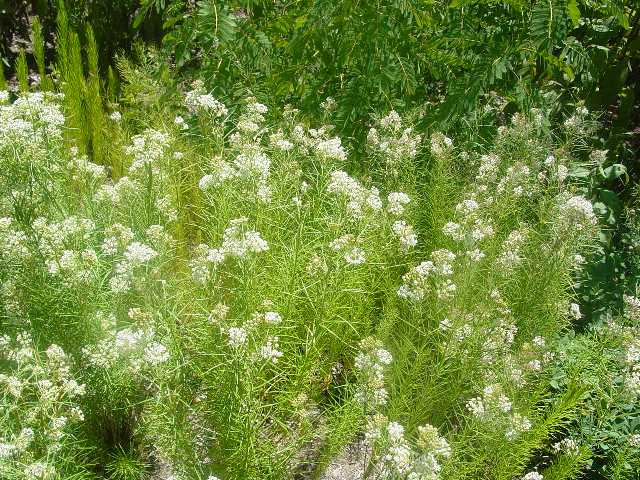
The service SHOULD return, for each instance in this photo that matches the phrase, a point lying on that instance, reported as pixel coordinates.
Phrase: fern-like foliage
(548, 23)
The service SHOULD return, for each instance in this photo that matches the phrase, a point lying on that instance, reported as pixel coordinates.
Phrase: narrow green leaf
(574, 12)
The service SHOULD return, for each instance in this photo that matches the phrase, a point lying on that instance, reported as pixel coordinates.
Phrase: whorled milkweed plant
(236, 304)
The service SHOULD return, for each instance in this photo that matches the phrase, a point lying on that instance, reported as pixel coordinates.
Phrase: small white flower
(384, 357)
(445, 325)
(156, 353)
(272, 318)
(533, 476)
(180, 122)
(406, 235)
(574, 311)
(137, 253)
(270, 351)
(237, 336)
(534, 365)
(6, 449)
(397, 202)
(355, 256)
(395, 430)
(539, 341)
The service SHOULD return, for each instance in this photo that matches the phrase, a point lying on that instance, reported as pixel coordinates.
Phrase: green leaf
(579, 172)
(548, 19)
(610, 199)
(140, 16)
(299, 22)
(574, 12)
(614, 171)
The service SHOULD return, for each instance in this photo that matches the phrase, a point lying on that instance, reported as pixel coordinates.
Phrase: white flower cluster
(440, 144)
(266, 318)
(498, 340)
(576, 121)
(138, 254)
(197, 100)
(510, 252)
(360, 200)
(269, 351)
(575, 214)
(39, 396)
(370, 363)
(533, 476)
(491, 401)
(248, 339)
(394, 144)
(491, 332)
(329, 104)
(516, 182)
(72, 231)
(82, 169)
(430, 274)
(632, 361)
(147, 151)
(159, 237)
(279, 142)
(364, 203)
(74, 268)
(14, 245)
(396, 203)
(218, 313)
(517, 425)
(318, 141)
(251, 166)
(237, 337)
(495, 407)
(568, 446)
(574, 311)
(553, 170)
(223, 171)
(430, 439)
(117, 238)
(250, 122)
(471, 227)
(488, 168)
(124, 190)
(238, 242)
(406, 235)
(347, 245)
(331, 149)
(131, 347)
(63, 247)
(136, 257)
(313, 140)
(31, 122)
(396, 457)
